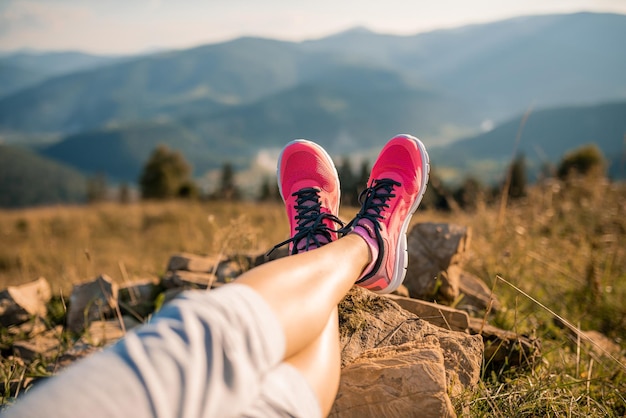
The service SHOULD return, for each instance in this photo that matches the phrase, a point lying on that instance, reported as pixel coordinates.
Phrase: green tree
(517, 179)
(269, 190)
(469, 194)
(164, 174)
(585, 161)
(349, 188)
(228, 187)
(97, 188)
(124, 193)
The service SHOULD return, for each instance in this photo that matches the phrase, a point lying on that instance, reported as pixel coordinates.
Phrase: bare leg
(303, 290)
(320, 363)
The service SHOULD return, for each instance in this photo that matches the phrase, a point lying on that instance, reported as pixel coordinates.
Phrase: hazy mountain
(545, 136)
(14, 78)
(353, 90)
(218, 75)
(506, 66)
(27, 179)
(121, 152)
(59, 62)
(499, 68)
(24, 68)
(337, 113)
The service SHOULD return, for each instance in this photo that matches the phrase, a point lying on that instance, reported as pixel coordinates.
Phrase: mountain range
(353, 90)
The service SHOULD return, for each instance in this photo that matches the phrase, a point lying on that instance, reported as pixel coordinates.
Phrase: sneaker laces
(373, 200)
(311, 226)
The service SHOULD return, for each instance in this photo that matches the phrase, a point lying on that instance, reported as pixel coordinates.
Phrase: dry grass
(563, 246)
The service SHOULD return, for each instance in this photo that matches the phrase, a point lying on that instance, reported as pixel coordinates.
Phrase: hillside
(500, 68)
(27, 179)
(151, 87)
(545, 137)
(350, 92)
(23, 69)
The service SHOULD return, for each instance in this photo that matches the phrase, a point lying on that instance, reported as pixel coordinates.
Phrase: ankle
(370, 246)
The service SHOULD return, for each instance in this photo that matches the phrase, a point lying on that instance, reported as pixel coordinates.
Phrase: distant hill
(350, 92)
(504, 67)
(122, 152)
(213, 76)
(27, 179)
(546, 136)
(496, 70)
(337, 113)
(22, 69)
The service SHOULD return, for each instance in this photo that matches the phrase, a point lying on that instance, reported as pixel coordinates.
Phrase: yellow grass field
(563, 245)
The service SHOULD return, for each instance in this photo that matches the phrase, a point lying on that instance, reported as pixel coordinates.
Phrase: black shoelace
(373, 200)
(310, 220)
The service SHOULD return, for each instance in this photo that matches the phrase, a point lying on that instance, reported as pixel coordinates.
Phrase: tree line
(167, 175)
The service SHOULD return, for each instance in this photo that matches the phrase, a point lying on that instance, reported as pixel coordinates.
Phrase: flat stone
(101, 333)
(436, 314)
(368, 321)
(193, 262)
(20, 303)
(395, 381)
(188, 279)
(477, 296)
(41, 346)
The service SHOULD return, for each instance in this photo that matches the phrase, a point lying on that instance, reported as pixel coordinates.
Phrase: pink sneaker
(395, 188)
(309, 185)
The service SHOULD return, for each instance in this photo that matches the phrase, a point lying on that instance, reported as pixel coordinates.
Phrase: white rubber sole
(402, 256)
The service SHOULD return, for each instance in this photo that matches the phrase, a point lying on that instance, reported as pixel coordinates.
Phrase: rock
(101, 333)
(504, 349)
(45, 345)
(90, 301)
(395, 381)
(20, 303)
(194, 263)
(188, 280)
(137, 298)
(28, 329)
(368, 321)
(477, 296)
(436, 253)
(439, 315)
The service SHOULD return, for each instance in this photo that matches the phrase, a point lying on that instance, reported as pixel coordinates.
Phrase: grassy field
(559, 252)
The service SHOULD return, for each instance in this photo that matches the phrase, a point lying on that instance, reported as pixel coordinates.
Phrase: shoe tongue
(368, 227)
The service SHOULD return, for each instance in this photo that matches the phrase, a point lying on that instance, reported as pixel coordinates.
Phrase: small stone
(193, 262)
(45, 345)
(101, 333)
(20, 303)
(91, 301)
(477, 296)
(188, 280)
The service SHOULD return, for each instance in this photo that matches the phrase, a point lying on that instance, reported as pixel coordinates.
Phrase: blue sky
(130, 26)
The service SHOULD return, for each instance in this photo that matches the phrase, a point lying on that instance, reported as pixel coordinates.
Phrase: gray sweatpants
(205, 354)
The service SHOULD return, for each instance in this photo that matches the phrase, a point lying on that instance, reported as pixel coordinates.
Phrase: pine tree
(164, 174)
